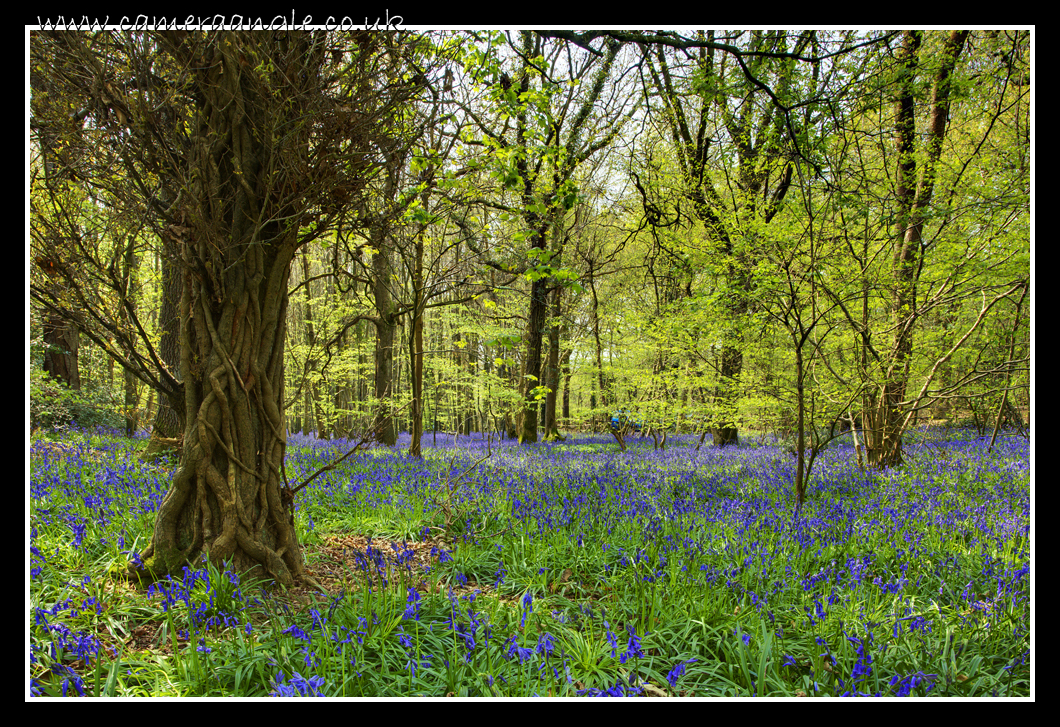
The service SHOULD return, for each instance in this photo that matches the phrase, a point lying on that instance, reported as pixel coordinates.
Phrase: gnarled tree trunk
(227, 497)
(238, 238)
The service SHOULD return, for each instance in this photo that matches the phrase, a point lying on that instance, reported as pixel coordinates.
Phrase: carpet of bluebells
(557, 569)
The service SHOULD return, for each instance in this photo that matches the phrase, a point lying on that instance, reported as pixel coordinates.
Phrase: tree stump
(160, 447)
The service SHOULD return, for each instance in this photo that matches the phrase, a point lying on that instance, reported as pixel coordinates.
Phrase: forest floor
(558, 569)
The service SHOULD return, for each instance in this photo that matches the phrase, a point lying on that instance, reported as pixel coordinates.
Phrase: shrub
(53, 406)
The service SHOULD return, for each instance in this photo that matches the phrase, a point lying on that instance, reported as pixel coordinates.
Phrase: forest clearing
(518, 363)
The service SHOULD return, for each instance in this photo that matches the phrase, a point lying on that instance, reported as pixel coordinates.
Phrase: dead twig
(370, 434)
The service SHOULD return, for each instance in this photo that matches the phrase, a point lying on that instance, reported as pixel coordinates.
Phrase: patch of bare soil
(339, 563)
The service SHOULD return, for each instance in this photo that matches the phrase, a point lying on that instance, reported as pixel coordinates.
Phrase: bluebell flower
(296, 631)
(70, 677)
(299, 686)
(513, 650)
(611, 639)
(677, 672)
(619, 690)
(528, 608)
(863, 665)
(910, 682)
(633, 648)
(412, 610)
(545, 644)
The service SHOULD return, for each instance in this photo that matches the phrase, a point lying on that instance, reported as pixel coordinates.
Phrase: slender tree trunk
(854, 436)
(313, 386)
(565, 369)
(416, 348)
(385, 330)
(1008, 367)
(471, 369)
(800, 425)
(599, 353)
(129, 293)
(552, 370)
(169, 419)
(915, 186)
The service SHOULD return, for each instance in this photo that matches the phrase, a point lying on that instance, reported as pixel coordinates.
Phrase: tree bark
(313, 393)
(60, 355)
(565, 370)
(385, 331)
(385, 319)
(227, 498)
(535, 329)
(129, 294)
(605, 399)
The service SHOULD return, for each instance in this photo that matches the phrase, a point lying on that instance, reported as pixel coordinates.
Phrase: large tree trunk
(385, 330)
(726, 396)
(264, 140)
(227, 497)
(385, 321)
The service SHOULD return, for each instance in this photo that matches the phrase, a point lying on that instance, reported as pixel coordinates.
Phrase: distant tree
(52, 171)
(953, 243)
(717, 102)
(549, 109)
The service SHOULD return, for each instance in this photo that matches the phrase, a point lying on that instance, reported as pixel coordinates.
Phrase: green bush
(53, 406)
